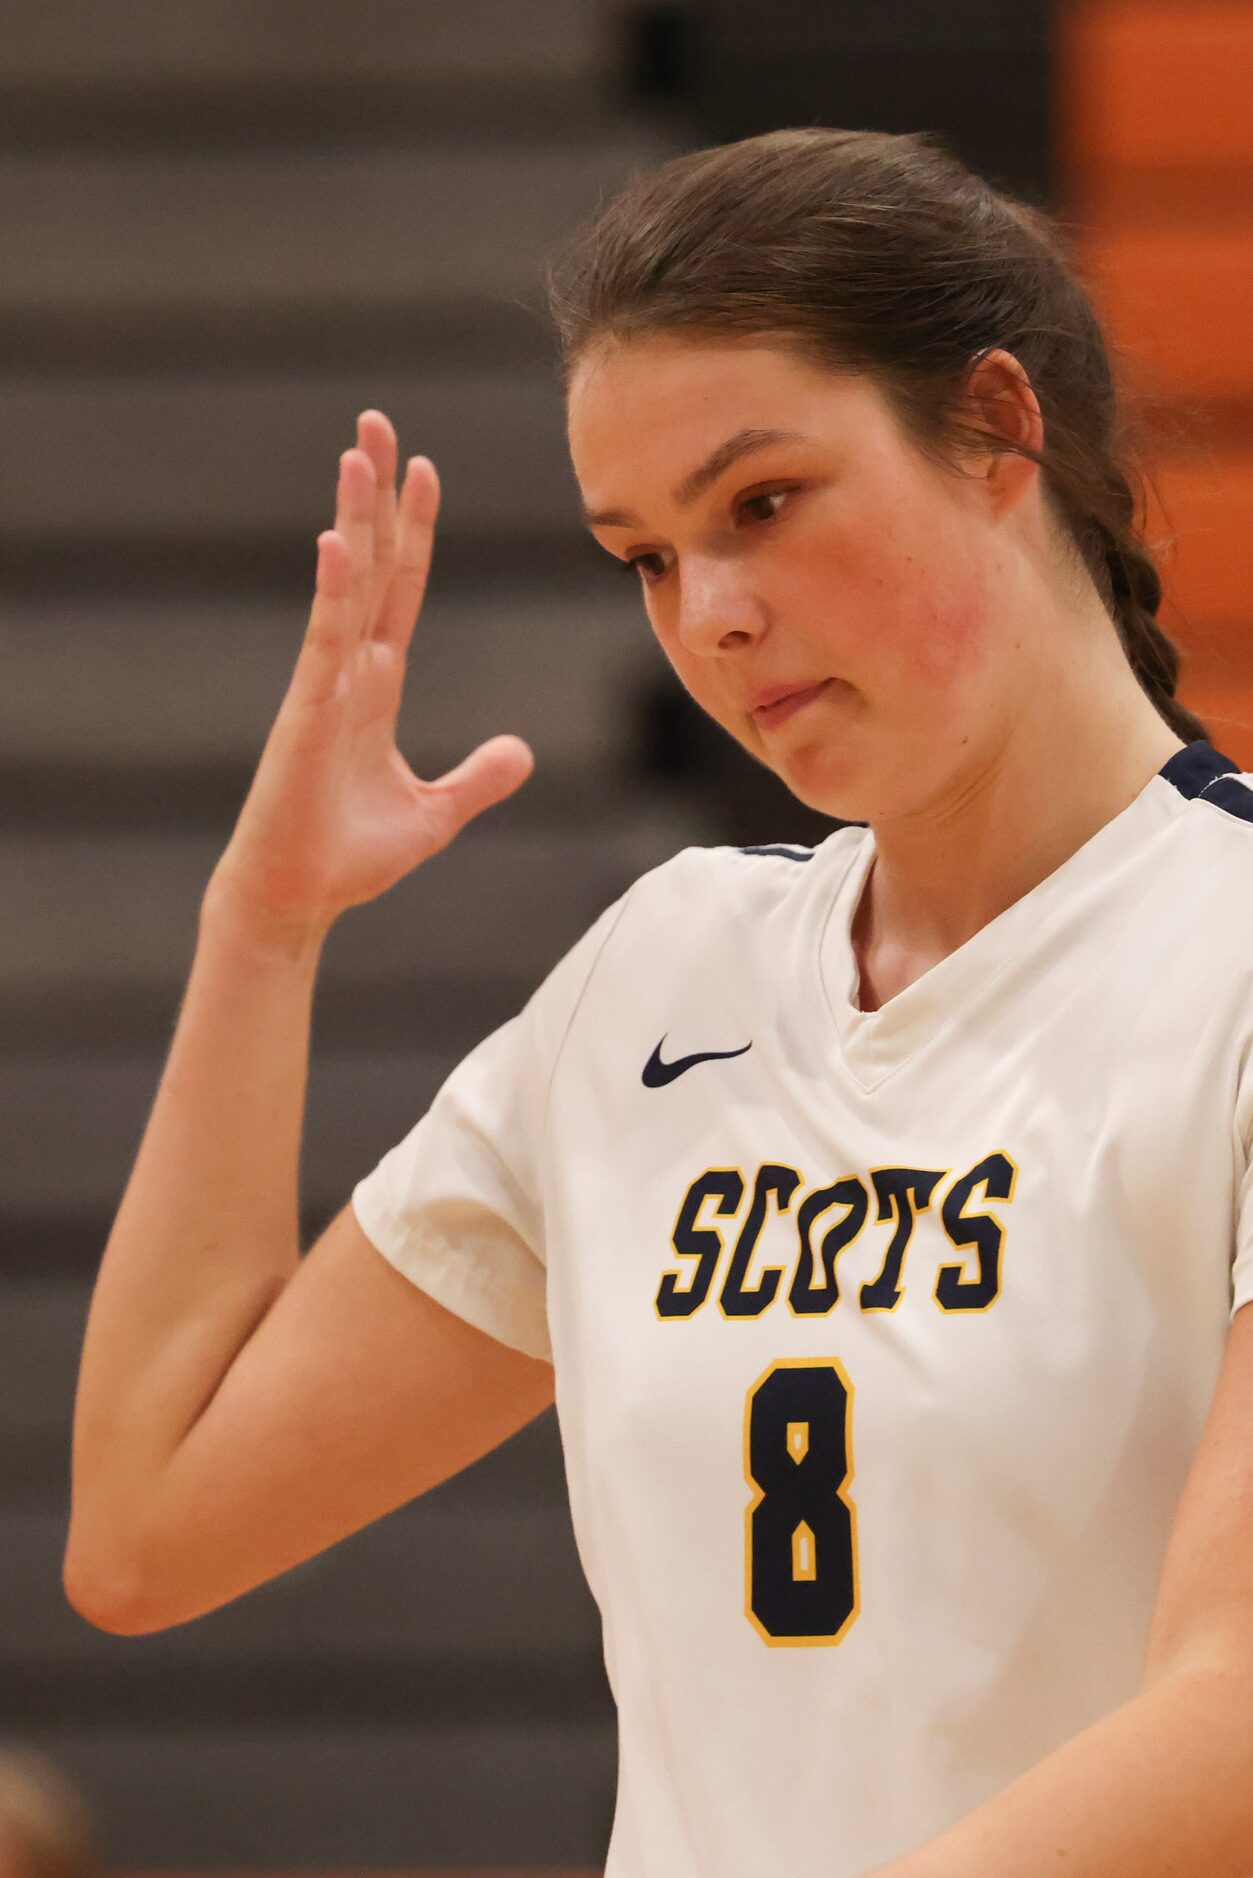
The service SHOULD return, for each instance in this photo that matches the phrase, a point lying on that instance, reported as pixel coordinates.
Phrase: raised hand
(335, 816)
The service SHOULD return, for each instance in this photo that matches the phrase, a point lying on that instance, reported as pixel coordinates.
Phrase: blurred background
(224, 230)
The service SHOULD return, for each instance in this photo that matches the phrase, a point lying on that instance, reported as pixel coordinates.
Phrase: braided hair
(1134, 596)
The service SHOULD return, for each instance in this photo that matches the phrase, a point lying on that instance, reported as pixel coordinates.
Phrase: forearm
(207, 1232)
(1160, 1788)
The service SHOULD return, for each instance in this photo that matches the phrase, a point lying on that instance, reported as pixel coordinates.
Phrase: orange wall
(1155, 132)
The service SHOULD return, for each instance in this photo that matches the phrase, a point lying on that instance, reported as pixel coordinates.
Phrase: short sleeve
(456, 1205)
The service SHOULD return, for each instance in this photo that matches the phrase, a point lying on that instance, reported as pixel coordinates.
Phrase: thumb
(489, 774)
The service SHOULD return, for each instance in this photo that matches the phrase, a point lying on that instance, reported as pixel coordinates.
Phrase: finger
(415, 534)
(330, 630)
(354, 520)
(489, 774)
(334, 622)
(376, 436)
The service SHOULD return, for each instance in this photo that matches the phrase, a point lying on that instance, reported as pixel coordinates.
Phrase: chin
(839, 797)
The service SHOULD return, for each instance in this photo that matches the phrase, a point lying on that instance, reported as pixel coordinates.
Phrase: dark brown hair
(871, 252)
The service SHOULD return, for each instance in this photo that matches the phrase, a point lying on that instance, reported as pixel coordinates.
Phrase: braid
(1135, 593)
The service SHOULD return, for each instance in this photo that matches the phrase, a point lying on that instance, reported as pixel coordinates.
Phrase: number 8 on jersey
(801, 1533)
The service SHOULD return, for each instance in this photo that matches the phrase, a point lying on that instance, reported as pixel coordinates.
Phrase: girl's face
(786, 532)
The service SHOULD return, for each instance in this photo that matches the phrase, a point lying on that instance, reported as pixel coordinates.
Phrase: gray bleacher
(224, 230)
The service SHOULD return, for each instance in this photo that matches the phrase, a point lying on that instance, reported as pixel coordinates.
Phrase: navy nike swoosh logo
(657, 1074)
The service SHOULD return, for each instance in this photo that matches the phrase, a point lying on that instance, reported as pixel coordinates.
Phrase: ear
(998, 399)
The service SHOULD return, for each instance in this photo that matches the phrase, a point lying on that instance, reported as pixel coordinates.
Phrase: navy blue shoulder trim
(789, 854)
(1195, 767)
(1234, 796)
(1200, 770)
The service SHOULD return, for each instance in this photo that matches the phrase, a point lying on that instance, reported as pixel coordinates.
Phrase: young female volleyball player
(878, 1211)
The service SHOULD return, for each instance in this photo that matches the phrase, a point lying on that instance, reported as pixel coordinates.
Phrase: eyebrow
(693, 485)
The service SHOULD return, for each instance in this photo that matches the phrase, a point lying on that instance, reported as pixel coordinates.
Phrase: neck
(949, 866)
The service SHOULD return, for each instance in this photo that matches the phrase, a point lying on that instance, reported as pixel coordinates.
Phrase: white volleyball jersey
(883, 1341)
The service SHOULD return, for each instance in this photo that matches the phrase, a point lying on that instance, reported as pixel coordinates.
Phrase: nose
(715, 601)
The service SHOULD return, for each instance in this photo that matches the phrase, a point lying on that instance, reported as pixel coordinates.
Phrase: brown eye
(766, 495)
(637, 561)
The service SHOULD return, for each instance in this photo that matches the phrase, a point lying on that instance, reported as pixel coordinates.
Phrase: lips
(775, 694)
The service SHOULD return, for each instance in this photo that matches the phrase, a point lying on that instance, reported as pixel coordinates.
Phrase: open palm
(335, 816)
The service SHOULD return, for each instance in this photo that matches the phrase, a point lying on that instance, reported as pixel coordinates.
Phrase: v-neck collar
(876, 1043)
